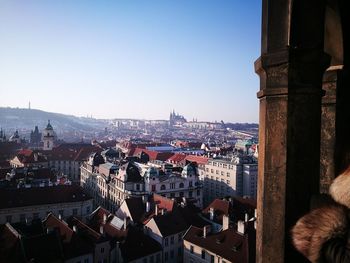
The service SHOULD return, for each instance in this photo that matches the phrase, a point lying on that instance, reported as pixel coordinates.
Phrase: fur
(340, 189)
(317, 227)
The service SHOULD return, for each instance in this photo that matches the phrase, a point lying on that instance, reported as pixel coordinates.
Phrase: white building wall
(18, 214)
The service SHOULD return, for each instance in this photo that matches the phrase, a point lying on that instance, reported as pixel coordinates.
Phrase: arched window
(181, 185)
(162, 187)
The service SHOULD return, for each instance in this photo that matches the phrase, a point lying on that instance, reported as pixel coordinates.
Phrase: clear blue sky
(132, 58)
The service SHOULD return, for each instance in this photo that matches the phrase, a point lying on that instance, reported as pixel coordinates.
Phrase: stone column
(291, 69)
(289, 146)
(328, 117)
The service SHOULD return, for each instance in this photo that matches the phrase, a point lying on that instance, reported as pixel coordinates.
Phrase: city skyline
(132, 60)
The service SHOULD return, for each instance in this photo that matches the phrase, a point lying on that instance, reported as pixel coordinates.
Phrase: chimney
(225, 222)
(246, 217)
(204, 232)
(241, 227)
(101, 230)
(144, 198)
(75, 229)
(125, 223)
(104, 218)
(147, 206)
(59, 216)
(156, 210)
(211, 211)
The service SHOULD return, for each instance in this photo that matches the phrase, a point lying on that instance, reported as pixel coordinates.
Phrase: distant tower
(48, 137)
(29, 105)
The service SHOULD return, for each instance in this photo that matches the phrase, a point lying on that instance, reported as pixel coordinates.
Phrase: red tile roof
(73, 152)
(219, 206)
(27, 156)
(21, 197)
(163, 202)
(176, 158)
(52, 222)
(198, 159)
(228, 244)
(153, 155)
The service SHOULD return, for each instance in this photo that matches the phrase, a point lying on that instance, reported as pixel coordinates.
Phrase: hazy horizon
(132, 59)
(118, 117)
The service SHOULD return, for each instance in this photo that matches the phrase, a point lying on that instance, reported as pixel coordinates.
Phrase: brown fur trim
(317, 227)
(340, 188)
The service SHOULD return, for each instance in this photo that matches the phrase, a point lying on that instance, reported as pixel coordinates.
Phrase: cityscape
(128, 190)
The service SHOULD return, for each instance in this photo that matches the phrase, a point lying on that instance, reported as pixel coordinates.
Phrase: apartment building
(236, 176)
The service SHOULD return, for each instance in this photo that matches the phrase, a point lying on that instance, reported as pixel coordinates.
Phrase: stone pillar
(291, 69)
(289, 146)
(328, 117)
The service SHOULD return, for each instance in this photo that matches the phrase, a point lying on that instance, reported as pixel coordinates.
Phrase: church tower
(48, 137)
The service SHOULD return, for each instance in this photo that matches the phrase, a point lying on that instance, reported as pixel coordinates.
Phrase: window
(203, 254)
(137, 187)
(190, 184)
(179, 237)
(152, 259)
(222, 173)
(102, 249)
(181, 194)
(166, 256)
(217, 171)
(172, 240)
(158, 258)
(162, 187)
(190, 194)
(211, 259)
(172, 195)
(198, 192)
(172, 186)
(75, 211)
(153, 188)
(166, 242)
(88, 210)
(172, 254)
(191, 249)
(181, 185)
(228, 174)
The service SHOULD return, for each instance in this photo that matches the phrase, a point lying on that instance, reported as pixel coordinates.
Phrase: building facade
(230, 177)
(26, 204)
